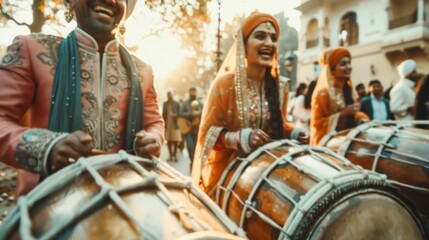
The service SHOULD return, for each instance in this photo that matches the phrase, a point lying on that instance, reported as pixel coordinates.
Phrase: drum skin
(399, 151)
(262, 193)
(118, 200)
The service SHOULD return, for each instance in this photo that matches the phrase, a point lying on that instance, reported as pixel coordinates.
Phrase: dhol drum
(118, 196)
(396, 149)
(284, 190)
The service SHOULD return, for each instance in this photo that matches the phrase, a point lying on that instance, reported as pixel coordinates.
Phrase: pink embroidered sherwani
(26, 75)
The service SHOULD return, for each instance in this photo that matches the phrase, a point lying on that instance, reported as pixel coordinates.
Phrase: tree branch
(7, 16)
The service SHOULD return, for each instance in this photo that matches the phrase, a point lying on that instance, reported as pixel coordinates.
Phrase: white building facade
(379, 34)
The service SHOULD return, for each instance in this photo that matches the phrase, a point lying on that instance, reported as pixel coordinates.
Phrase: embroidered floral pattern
(258, 110)
(32, 150)
(111, 122)
(12, 56)
(52, 45)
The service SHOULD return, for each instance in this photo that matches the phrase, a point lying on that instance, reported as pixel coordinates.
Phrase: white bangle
(244, 140)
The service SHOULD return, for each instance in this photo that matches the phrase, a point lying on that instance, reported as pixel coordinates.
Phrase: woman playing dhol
(246, 104)
(332, 107)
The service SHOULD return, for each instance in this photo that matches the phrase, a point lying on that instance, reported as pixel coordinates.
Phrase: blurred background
(184, 40)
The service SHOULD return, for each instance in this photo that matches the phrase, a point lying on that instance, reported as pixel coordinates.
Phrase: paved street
(183, 162)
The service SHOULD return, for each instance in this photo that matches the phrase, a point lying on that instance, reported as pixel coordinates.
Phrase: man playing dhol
(83, 94)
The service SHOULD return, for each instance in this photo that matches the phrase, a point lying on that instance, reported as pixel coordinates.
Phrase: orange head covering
(251, 22)
(333, 56)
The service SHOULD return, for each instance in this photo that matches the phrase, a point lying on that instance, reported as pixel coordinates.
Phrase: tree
(182, 15)
(187, 19)
(42, 12)
(288, 46)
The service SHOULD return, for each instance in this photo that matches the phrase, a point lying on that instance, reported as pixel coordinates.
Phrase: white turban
(170, 90)
(406, 67)
(130, 7)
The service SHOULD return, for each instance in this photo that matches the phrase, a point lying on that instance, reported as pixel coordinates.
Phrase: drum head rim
(345, 191)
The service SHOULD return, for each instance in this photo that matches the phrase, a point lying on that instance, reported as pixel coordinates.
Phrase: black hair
(347, 91)
(300, 89)
(422, 96)
(272, 95)
(348, 121)
(309, 94)
(372, 82)
(360, 85)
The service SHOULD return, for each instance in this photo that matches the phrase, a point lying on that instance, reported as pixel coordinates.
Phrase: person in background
(360, 92)
(170, 113)
(386, 93)
(191, 111)
(246, 104)
(84, 95)
(300, 113)
(421, 104)
(299, 91)
(403, 95)
(375, 105)
(333, 107)
(182, 143)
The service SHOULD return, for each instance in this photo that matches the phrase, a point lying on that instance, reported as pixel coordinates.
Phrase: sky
(164, 52)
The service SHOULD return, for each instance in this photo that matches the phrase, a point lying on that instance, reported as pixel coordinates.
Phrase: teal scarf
(66, 104)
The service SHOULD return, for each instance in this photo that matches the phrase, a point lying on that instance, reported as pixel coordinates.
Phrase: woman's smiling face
(343, 69)
(261, 45)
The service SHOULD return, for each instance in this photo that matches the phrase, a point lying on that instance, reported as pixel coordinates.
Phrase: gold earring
(69, 13)
(122, 29)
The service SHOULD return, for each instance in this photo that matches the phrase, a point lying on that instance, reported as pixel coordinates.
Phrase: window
(326, 38)
(402, 13)
(312, 35)
(349, 30)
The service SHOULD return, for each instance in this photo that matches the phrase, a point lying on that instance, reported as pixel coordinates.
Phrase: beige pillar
(420, 11)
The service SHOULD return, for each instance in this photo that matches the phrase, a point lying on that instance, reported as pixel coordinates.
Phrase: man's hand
(146, 145)
(69, 149)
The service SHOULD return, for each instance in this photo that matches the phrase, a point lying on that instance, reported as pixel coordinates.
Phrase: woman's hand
(67, 150)
(146, 145)
(258, 138)
(350, 110)
(303, 137)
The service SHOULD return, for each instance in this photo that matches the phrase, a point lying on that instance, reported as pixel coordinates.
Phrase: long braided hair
(272, 94)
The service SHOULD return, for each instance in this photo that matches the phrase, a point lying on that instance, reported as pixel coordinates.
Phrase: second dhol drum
(287, 191)
(394, 148)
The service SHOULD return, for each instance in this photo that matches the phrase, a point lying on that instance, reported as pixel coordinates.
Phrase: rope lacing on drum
(256, 211)
(25, 226)
(186, 218)
(189, 220)
(388, 148)
(107, 189)
(196, 191)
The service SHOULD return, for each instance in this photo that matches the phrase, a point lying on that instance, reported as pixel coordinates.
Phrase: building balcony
(403, 21)
(312, 43)
(326, 42)
(404, 35)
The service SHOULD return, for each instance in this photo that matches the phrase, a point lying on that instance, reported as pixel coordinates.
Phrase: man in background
(375, 105)
(360, 92)
(191, 111)
(403, 93)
